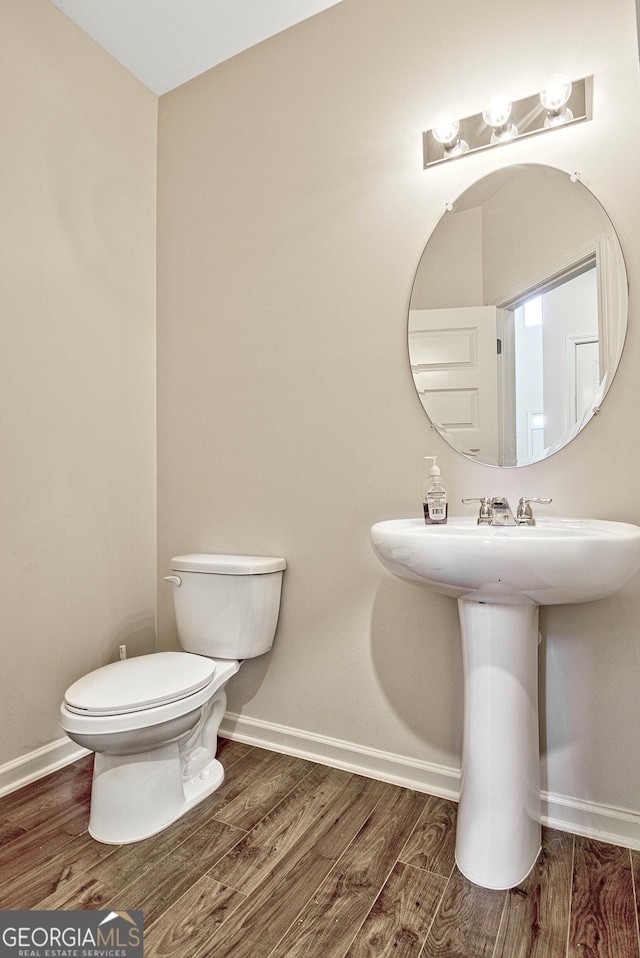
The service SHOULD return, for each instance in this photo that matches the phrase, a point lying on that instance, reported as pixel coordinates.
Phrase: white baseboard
(370, 762)
(605, 823)
(37, 764)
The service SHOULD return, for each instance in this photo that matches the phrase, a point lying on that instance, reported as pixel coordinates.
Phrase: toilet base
(136, 796)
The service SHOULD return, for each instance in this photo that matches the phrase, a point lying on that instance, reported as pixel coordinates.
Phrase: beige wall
(77, 366)
(293, 211)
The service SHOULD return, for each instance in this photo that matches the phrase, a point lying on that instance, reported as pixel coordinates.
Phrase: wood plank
(229, 751)
(635, 870)
(254, 802)
(75, 791)
(28, 887)
(33, 815)
(156, 889)
(81, 893)
(397, 925)
(432, 843)
(257, 925)
(161, 885)
(44, 788)
(9, 832)
(603, 913)
(125, 864)
(251, 860)
(41, 844)
(329, 922)
(535, 923)
(467, 921)
(191, 921)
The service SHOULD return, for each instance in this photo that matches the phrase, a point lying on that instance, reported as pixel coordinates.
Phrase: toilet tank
(227, 606)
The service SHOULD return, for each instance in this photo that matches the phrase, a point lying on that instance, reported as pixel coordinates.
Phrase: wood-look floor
(290, 859)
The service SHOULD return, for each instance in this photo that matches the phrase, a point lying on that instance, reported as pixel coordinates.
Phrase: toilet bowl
(153, 720)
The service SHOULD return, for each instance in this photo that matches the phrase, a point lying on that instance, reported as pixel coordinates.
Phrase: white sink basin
(500, 575)
(555, 561)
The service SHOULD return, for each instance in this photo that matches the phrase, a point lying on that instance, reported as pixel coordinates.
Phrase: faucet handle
(524, 513)
(486, 512)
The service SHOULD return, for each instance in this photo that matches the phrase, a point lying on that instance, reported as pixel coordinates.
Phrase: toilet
(153, 720)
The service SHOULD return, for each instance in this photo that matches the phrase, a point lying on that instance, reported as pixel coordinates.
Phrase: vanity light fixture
(559, 103)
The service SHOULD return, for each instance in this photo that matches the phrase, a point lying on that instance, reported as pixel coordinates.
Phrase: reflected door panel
(453, 361)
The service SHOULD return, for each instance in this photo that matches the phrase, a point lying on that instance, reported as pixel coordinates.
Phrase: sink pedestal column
(498, 830)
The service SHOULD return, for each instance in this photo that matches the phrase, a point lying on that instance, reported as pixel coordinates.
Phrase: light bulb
(445, 131)
(497, 112)
(554, 97)
(497, 115)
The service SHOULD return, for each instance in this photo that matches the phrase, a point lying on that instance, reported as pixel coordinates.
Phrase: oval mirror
(518, 315)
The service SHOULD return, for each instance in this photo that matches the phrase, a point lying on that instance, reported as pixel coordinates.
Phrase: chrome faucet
(494, 512)
(497, 511)
(502, 514)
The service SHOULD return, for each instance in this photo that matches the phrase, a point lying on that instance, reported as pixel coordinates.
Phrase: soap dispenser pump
(434, 496)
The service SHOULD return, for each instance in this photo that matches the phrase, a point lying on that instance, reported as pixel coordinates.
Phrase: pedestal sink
(500, 576)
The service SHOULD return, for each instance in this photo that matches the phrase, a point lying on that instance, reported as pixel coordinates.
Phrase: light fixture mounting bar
(528, 115)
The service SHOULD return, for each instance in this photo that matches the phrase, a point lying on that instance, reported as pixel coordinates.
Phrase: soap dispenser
(434, 496)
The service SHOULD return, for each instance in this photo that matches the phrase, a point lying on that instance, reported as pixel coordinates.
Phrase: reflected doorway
(551, 364)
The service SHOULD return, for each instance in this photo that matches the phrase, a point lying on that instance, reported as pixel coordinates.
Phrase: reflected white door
(453, 356)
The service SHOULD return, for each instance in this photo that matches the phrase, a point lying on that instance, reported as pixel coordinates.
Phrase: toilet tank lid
(227, 564)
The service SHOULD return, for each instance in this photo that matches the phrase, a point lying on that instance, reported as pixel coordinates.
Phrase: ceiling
(164, 43)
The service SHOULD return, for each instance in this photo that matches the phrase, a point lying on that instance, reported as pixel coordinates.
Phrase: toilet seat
(85, 722)
(143, 682)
